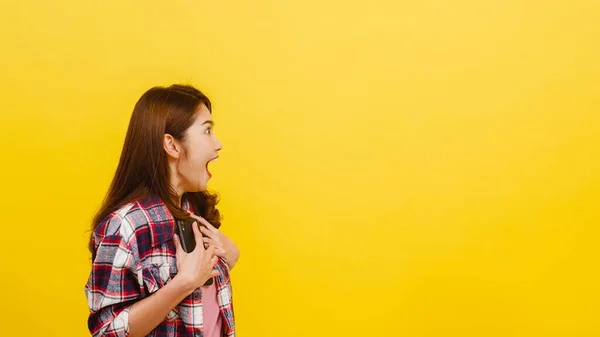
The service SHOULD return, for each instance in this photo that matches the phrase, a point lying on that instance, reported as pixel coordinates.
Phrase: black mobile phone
(187, 238)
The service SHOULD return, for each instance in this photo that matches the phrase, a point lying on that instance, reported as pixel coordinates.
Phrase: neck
(175, 183)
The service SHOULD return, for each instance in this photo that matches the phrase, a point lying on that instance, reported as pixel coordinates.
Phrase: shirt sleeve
(112, 287)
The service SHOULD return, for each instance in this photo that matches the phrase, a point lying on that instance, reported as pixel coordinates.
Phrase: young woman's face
(200, 147)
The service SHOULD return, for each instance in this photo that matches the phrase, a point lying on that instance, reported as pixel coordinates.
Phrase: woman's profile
(142, 283)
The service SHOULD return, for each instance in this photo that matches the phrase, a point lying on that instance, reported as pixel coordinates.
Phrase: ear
(172, 146)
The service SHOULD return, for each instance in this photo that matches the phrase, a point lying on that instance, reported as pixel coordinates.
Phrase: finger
(210, 252)
(209, 241)
(214, 261)
(211, 227)
(178, 250)
(204, 222)
(197, 234)
(177, 243)
(220, 252)
(215, 273)
(197, 217)
(206, 231)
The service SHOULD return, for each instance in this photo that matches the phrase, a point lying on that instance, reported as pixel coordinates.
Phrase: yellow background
(390, 168)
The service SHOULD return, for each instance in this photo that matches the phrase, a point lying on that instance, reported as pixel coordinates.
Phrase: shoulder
(118, 223)
(140, 226)
(136, 223)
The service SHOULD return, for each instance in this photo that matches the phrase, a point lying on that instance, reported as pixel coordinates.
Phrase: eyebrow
(209, 122)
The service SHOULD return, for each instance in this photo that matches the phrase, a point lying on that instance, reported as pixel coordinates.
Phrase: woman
(142, 282)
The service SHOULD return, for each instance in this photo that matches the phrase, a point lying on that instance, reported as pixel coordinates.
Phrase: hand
(224, 247)
(196, 267)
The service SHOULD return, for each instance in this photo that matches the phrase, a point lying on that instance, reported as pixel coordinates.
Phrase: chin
(198, 187)
(201, 187)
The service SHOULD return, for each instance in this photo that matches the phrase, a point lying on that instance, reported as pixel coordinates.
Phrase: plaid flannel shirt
(135, 257)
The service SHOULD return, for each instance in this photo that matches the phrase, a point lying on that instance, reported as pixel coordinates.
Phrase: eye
(208, 131)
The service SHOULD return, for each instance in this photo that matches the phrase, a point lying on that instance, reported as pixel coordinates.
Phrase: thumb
(214, 261)
(178, 249)
(220, 252)
(210, 251)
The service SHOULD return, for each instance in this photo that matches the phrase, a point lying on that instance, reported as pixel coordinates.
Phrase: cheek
(196, 158)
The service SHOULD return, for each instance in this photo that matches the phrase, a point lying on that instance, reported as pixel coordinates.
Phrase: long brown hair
(143, 169)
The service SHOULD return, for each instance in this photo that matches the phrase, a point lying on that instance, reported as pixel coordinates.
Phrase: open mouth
(210, 161)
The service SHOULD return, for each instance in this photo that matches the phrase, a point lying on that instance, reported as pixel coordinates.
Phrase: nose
(218, 145)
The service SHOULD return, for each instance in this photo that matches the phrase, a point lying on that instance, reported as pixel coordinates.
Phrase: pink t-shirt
(210, 311)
